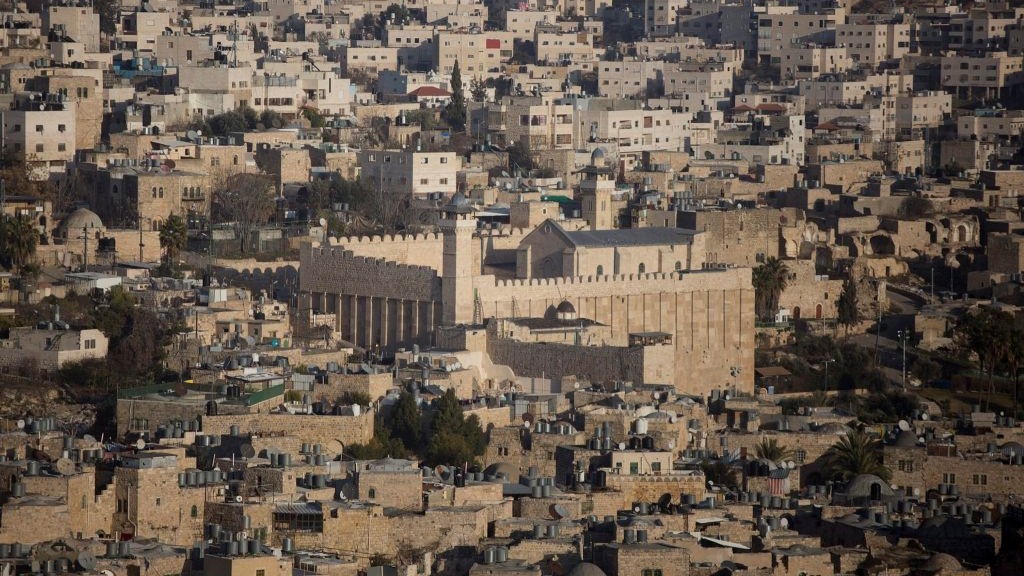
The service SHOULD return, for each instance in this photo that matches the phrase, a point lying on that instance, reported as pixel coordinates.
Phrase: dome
(597, 158)
(459, 199)
(566, 311)
(863, 484)
(906, 439)
(942, 563)
(586, 569)
(510, 471)
(81, 218)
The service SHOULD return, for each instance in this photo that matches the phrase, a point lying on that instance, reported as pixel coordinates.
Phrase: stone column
(414, 327)
(400, 323)
(370, 334)
(339, 305)
(354, 320)
(385, 336)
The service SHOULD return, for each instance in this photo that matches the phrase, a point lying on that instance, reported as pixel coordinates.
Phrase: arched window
(161, 191)
(600, 270)
(679, 265)
(235, 160)
(372, 494)
(641, 269)
(154, 191)
(195, 511)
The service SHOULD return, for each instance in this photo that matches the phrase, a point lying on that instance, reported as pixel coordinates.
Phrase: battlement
(385, 238)
(608, 279)
(346, 254)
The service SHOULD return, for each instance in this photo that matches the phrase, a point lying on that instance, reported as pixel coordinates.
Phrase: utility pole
(878, 327)
(140, 240)
(827, 362)
(85, 249)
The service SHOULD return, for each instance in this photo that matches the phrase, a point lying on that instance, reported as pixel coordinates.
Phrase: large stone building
(393, 292)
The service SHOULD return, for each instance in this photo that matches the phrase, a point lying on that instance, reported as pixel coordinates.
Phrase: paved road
(890, 353)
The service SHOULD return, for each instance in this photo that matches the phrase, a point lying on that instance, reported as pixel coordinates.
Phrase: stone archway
(818, 312)
(882, 245)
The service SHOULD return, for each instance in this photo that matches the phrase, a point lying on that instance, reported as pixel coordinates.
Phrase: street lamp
(904, 335)
(827, 362)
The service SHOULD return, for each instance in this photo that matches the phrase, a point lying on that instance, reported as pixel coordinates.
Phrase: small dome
(861, 486)
(81, 218)
(906, 439)
(510, 471)
(459, 199)
(941, 563)
(566, 307)
(586, 569)
(597, 158)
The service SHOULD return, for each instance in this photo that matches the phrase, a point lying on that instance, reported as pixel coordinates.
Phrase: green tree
(770, 449)
(925, 370)
(478, 90)
(455, 113)
(173, 235)
(405, 422)
(226, 123)
(855, 453)
(355, 397)
(770, 281)
(519, 157)
(846, 307)
(271, 120)
(18, 241)
(316, 120)
(449, 413)
(455, 439)
(985, 332)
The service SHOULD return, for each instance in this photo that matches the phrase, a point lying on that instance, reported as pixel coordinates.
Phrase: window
(195, 511)
(90, 344)
(372, 494)
(39, 128)
(158, 501)
(979, 479)
(61, 127)
(948, 478)
(656, 467)
(634, 467)
(39, 147)
(799, 455)
(642, 268)
(424, 181)
(600, 270)
(61, 147)
(444, 160)
(261, 573)
(905, 465)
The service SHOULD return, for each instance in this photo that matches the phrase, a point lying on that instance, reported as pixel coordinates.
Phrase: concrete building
(409, 171)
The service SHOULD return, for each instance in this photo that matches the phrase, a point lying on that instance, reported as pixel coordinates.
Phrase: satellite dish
(790, 464)
(784, 522)
(622, 445)
(21, 424)
(924, 416)
(904, 426)
(86, 561)
(65, 467)
(192, 134)
(238, 499)
(89, 438)
(247, 450)
(526, 425)
(323, 222)
(559, 511)
(711, 483)
(140, 444)
(529, 418)
(637, 509)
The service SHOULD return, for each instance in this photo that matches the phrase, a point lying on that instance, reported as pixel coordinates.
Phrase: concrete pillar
(371, 335)
(354, 320)
(339, 316)
(414, 324)
(385, 326)
(400, 323)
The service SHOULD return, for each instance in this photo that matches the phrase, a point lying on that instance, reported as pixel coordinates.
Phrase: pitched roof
(429, 91)
(630, 237)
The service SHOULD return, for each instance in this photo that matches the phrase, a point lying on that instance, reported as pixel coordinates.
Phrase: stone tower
(596, 190)
(457, 226)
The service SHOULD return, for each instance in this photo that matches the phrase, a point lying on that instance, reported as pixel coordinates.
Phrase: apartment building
(542, 122)
(781, 27)
(710, 79)
(873, 39)
(634, 129)
(555, 46)
(41, 129)
(660, 17)
(410, 171)
(369, 57)
(917, 112)
(806, 61)
(139, 30)
(79, 22)
(477, 53)
(415, 45)
(989, 125)
(523, 23)
(990, 75)
(629, 77)
(850, 89)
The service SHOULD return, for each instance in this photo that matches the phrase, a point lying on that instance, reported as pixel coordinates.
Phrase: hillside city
(531, 288)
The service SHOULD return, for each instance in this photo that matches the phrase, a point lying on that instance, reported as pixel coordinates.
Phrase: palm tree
(854, 454)
(18, 240)
(173, 235)
(770, 449)
(770, 281)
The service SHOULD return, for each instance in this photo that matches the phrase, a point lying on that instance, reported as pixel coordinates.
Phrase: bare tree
(246, 201)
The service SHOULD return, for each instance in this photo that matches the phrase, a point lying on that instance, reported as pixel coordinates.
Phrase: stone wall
(314, 429)
(342, 271)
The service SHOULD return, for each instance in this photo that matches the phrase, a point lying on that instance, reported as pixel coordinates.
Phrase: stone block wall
(314, 429)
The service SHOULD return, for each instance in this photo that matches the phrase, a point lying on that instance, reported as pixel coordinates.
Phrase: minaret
(457, 226)
(596, 190)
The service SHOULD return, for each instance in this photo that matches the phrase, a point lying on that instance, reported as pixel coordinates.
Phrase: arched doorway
(817, 312)
(796, 312)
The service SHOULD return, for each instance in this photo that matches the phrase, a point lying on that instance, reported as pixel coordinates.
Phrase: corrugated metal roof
(310, 508)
